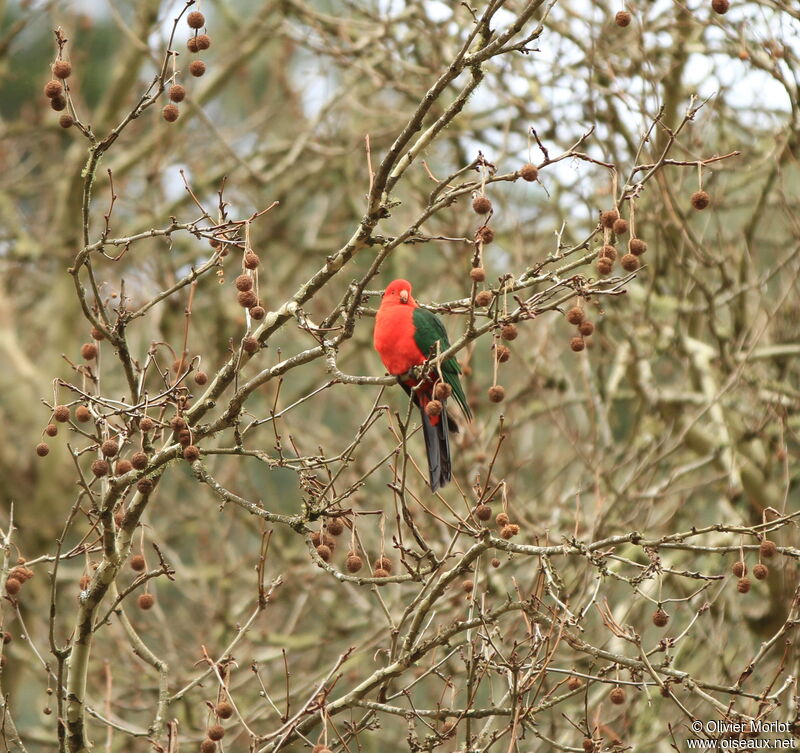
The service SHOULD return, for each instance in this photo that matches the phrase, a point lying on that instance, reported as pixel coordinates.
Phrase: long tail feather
(437, 446)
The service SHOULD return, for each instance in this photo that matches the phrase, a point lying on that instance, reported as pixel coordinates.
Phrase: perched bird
(405, 336)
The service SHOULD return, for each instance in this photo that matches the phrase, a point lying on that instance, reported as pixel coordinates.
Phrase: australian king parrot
(405, 336)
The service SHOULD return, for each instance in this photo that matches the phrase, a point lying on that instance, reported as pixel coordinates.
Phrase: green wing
(428, 329)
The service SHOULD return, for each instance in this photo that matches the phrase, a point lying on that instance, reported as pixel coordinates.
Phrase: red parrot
(405, 336)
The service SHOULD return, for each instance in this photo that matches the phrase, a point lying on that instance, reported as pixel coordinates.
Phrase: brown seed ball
(433, 409)
(609, 217)
(146, 601)
(483, 512)
(100, 468)
(53, 89)
(51, 430)
(497, 393)
(660, 618)
(383, 563)
(191, 44)
(197, 68)
(258, 313)
(720, 6)
(608, 252)
(178, 423)
(324, 552)
(485, 234)
(630, 262)
(109, 448)
(97, 334)
(247, 299)
(617, 696)
(251, 260)
(61, 413)
(139, 460)
(768, 549)
(243, 282)
(604, 266)
(509, 332)
(588, 745)
(442, 391)
(477, 274)
(509, 531)
(13, 586)
(208, 746)
(191, 453)
(122, 467)
(620, 226)
(83, 414)
(743, 586)
(623, 18)
(335, 527)
(62, 69)
(529, 172)
(502, 353)
(224, 710)
(577, 344)
(637, 246)
(66, 120)
(58, 103)
(137, 563)
(700, 200)
(380, 573)
(483, 298)
(203, 41)
(144, 486)
(495, 562)
(739, 569)
(7, 638)
(574, 682)
(575, 315)
(467, 585)
(502, 520)
(354, 563)
(170, 113)
(42, 449)
(146, 424)
(200, 378)
(586, 328)
(250, 345)
(481, 205)
(760, 571)
(176, 93)
(184, 437)
(196, 20)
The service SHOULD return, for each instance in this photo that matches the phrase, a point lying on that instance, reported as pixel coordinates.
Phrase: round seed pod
(381, 573)
(122, 466)
(224, 710)
(660, 618)
(353, 563)
(203, 41)
(442, 391)
(197, 68)
(100, 468)
(51, 430)
(191, 44)
(53, 89)
(760, 571)
(170, 113)
(604, 266)
(196, 20)
(509, 332)
(250, 345)
(335, 527)
(178, 423)
(623, 18)
(184, 436)
(137, 563)
(109, 448)
(383, 563)
(467, 585)
(739, 569)
(577, 344)
(258, 313)
(485, 234)
(61, 413)
(768, 549)
(700, 200)
(208, 746)
(58, 103)
(13, 586)
(176, 93)
(743, 586)
(637, 246)
(62, 69)
(502, 519)
(588, 745)
(720, 6)
(483, 512)
(608, 252)
(608, 218)
(243, 282)
(509, 531)
(495, 562)
(200, 378)
(586, 328)
(247, 299)
(191, 453)
(146, 601)
(617, 696)
(575, 315)
(251, 260)
(42, 449)
(497, 393)
(502, 353)
(83, 414)
(144, 486)
(139, 460)
(324, 552)
(477, 274)
(481, 205)
(574, 682)
(146, 424)
(433, 408)
(66, 120)
(529, 172)
(97, 334)
(483, 298)
(620, 226)
(630, 262)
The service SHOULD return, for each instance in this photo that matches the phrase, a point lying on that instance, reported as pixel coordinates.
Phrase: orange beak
(403, 296)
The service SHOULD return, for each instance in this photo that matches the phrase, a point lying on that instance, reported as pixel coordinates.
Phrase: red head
(398, 291)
